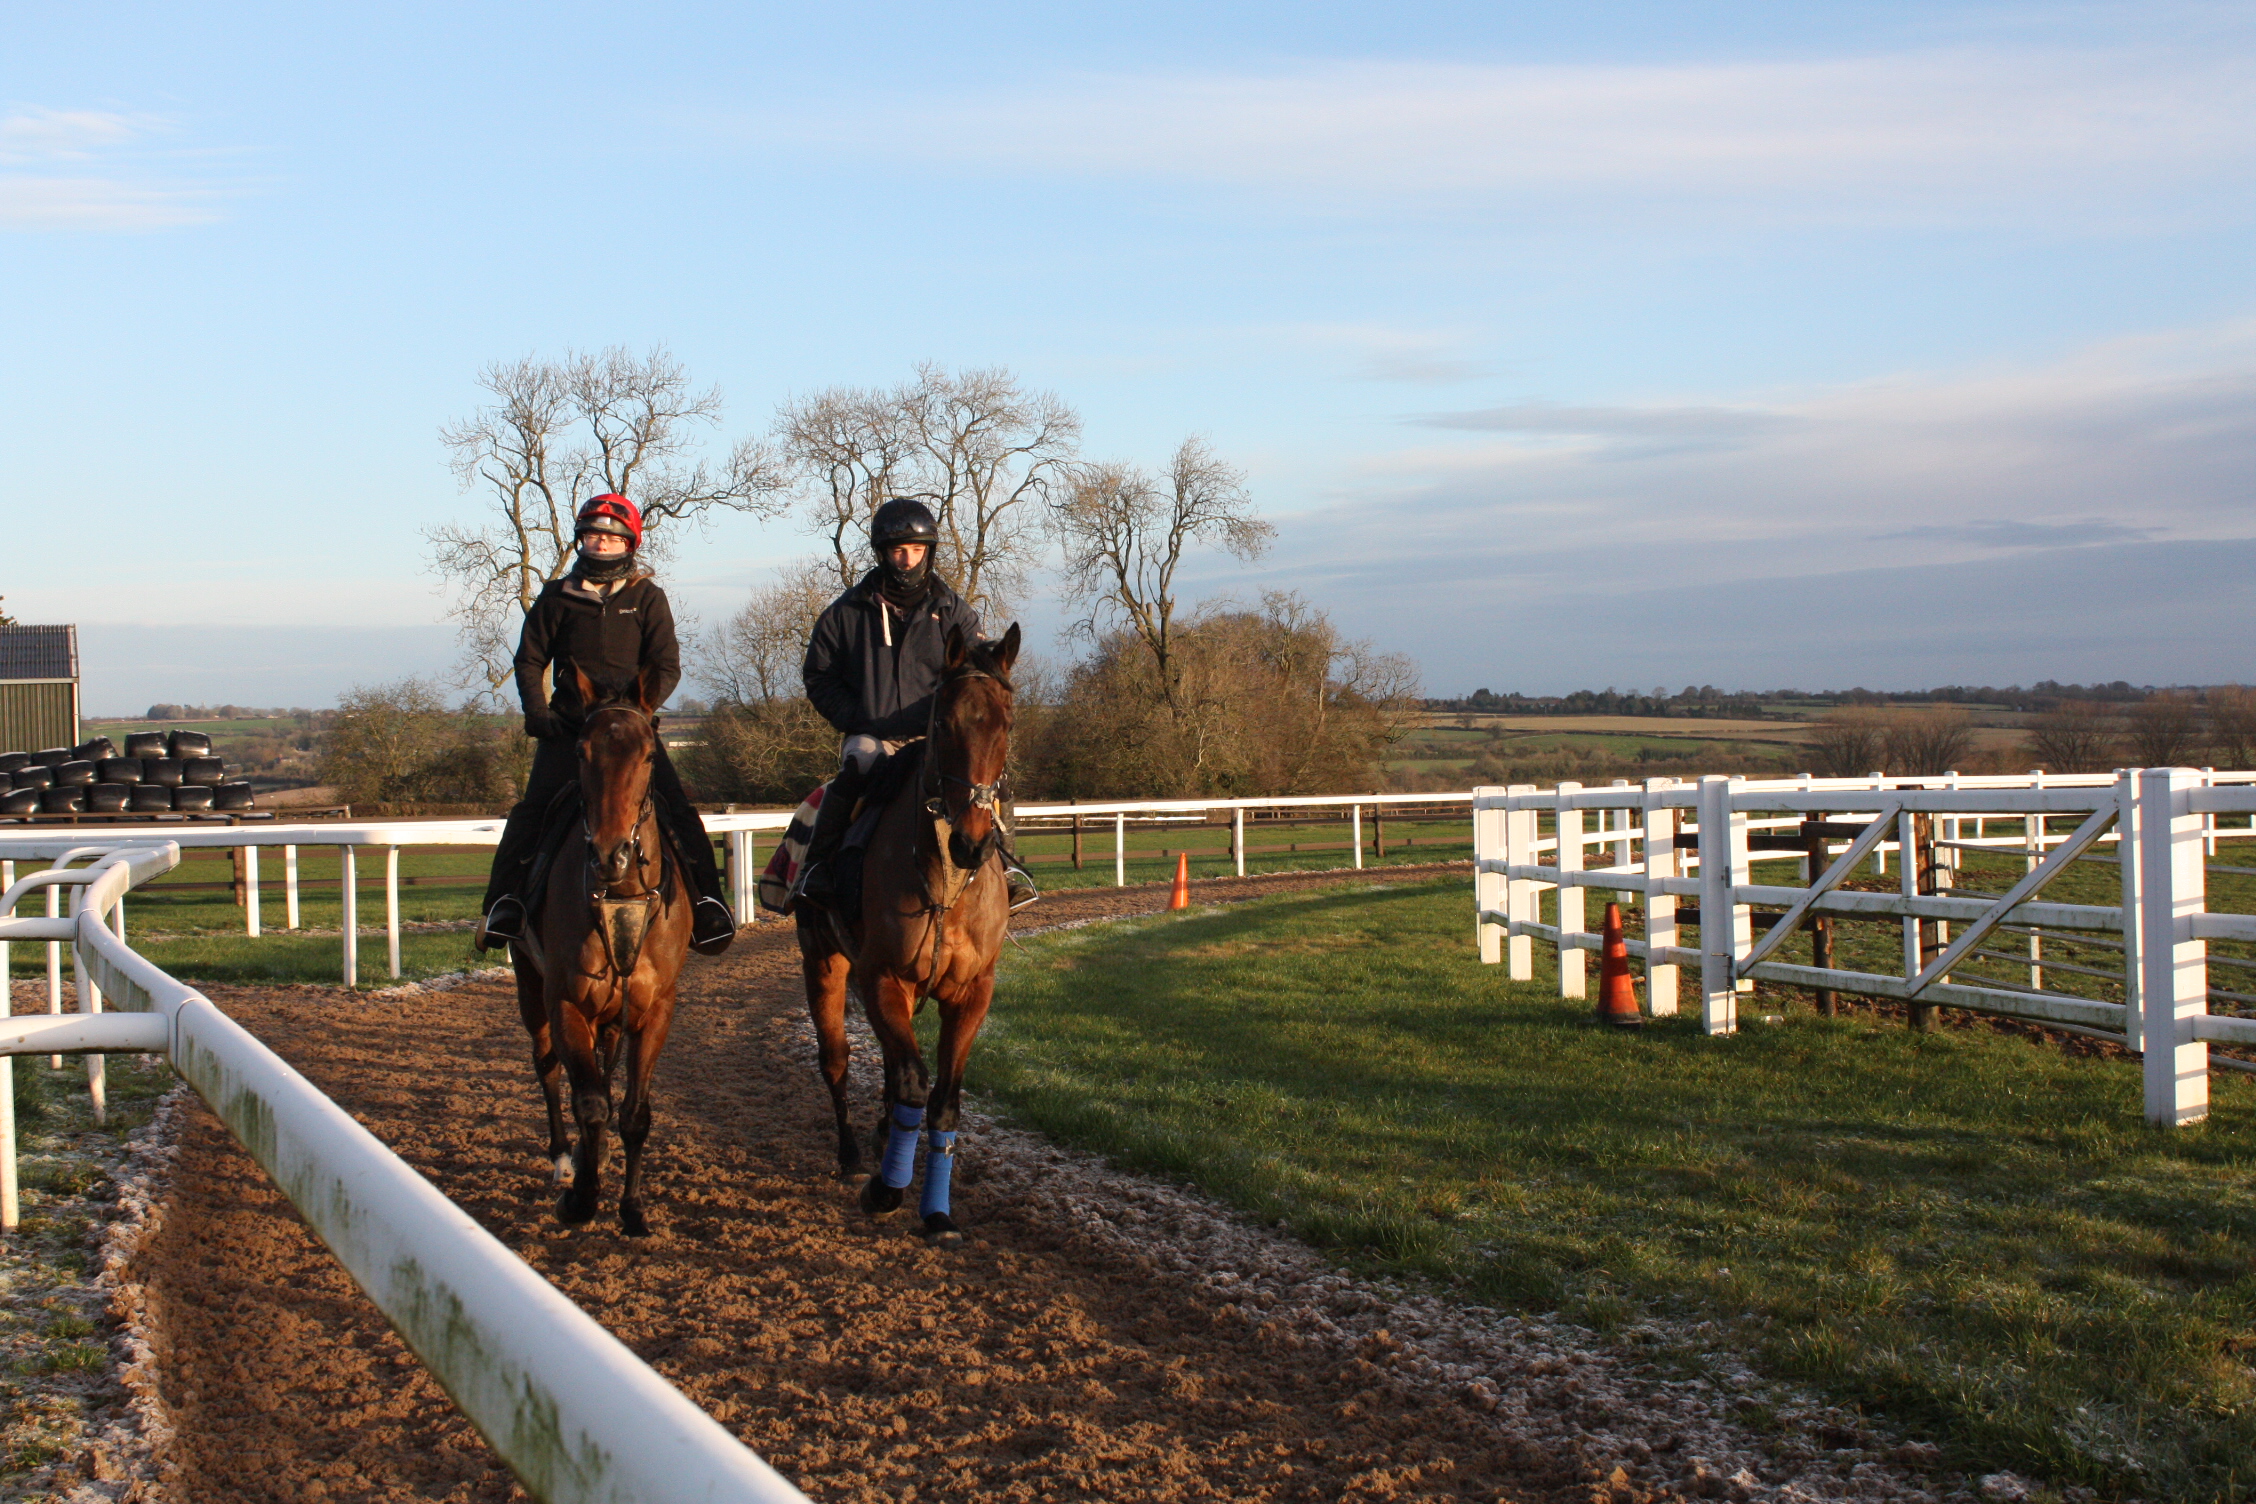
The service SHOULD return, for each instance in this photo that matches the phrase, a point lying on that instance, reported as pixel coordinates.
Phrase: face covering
(604, 571)
(904, 589)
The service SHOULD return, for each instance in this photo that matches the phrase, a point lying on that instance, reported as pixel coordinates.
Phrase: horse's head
(618, 739)
(971, 723)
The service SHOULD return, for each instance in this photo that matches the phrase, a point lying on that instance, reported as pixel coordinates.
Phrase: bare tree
(2165, 729)
(1935, 740)
(1125, 534)
(850, 451)
(2075, 736)
(991, 454)
(981, 450)
(754, 657)
(2232, 726)
(558, 432)
(1849, 742)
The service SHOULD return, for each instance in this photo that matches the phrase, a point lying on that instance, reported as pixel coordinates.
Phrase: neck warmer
(905, 590)
(604, 571)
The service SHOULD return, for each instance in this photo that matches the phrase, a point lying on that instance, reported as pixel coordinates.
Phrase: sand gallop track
(1042, 1361)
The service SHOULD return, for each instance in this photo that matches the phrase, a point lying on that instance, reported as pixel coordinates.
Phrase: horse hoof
(633, 1222)
(878, 1198)
(571, 1212)
(940, 1231)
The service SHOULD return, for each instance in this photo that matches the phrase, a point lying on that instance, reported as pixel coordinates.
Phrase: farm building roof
(38, 653)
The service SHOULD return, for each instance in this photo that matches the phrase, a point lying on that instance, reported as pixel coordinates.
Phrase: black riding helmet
(903, 521)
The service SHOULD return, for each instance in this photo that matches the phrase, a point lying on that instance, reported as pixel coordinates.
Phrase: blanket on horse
(883, 783)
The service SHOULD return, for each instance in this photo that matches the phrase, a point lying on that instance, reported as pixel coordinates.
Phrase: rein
(986, 796)
(624, 918)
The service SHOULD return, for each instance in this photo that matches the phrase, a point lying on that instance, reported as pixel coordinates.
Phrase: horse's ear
(1006, 651)
(646, 689)
(586, 687)
(956, 648)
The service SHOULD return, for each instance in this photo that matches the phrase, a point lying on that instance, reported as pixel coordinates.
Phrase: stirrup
(1020, 887)
(502, 924)
(805, 885)
(711, 927)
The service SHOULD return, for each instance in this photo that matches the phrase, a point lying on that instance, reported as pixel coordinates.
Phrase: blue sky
(1616, 344)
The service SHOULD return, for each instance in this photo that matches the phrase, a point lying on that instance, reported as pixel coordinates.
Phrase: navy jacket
(862, 685)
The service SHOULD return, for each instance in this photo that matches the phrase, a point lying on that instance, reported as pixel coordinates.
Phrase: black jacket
(865, 687)
(610, 640)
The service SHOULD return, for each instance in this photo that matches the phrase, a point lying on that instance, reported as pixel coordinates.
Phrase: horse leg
(575, 1035)
(891, 1004)
(959, 1027)
(532, 1008)
(825, 969)
(643, 1045)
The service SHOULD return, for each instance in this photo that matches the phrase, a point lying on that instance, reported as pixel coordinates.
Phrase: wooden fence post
(1522, 899)
(1076, 836)
(2174, 981)
(1923, 874)
(2129, 812)
(1489, 888)
(1378, 829)
(1723, 862)
(1820, 926)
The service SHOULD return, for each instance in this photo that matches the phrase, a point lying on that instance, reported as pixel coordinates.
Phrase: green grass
(1974, 1236)
(1324, 844)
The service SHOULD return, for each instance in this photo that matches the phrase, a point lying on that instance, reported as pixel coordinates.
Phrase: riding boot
(832, 816)
(711, 923)
(1015, 878)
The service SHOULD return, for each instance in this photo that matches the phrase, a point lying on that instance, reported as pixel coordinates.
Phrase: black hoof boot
(632, 1221)
(880, 1199)
(940, 1231)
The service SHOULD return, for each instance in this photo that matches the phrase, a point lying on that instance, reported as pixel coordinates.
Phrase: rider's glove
(542, 724)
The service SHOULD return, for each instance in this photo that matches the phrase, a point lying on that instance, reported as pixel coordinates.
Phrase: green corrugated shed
(38, 688)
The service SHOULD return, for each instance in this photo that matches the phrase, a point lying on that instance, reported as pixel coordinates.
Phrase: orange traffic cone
(1617, 994)
(1180, 896)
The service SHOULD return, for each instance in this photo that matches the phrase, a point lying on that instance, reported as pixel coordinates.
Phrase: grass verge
(1973, 1235)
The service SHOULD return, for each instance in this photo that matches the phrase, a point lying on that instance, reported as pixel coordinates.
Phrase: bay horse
(608, 943)
(927, 922)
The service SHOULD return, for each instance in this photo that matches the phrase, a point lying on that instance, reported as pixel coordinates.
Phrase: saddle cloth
(885, 781)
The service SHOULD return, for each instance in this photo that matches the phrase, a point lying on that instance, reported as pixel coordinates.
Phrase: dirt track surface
(1087, 1343)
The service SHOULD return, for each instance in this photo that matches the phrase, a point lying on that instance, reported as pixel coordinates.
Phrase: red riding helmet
(611, 513)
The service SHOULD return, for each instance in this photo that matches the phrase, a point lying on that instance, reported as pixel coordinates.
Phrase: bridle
(933, 793)
(624, 918)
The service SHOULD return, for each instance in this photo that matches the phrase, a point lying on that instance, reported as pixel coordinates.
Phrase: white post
(391, 908)
(1355, 829)
(2209, 822)
(1618, 820)
(2129, 814)
(11, 1207)
(250, 888)
(348, 890)
(1723, 853)
(1907, 870)
(1573, 912)
(2032, 845)
(1237, 838)
(1523, 901)
(289, 887)
(90, 1002)
(1660, 908)
(744, 890)
(1489, 888)
(1880, 849)
(2174, 966)
(54, 969)
(1120, 850)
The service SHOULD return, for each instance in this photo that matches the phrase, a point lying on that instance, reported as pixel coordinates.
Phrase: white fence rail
(575, 1415)
(740, 832)
(2164, 830)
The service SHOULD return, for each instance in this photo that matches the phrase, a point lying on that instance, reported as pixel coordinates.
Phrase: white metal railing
(738, 831)
(2164, 827)
(574, 1413)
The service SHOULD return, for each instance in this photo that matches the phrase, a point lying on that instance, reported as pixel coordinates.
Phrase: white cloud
(1965, 493)
(1957, 133)
(92, 170)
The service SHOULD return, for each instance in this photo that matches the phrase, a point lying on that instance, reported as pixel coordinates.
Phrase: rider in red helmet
(608, 619)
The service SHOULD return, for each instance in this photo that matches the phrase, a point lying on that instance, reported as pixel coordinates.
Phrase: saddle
(883, 785)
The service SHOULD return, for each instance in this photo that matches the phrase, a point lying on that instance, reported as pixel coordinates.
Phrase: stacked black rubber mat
(157, 773)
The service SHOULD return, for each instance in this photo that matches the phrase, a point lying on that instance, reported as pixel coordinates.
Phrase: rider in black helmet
(872, 665)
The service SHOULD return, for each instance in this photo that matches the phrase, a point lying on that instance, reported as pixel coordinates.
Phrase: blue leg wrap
(939, 1168)
(901, 1145)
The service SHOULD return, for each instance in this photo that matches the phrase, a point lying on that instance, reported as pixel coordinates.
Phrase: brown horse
(605, 951)
(928, 921)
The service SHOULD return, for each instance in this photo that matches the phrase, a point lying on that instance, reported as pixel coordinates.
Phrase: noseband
(624, 918)
(986, 796)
